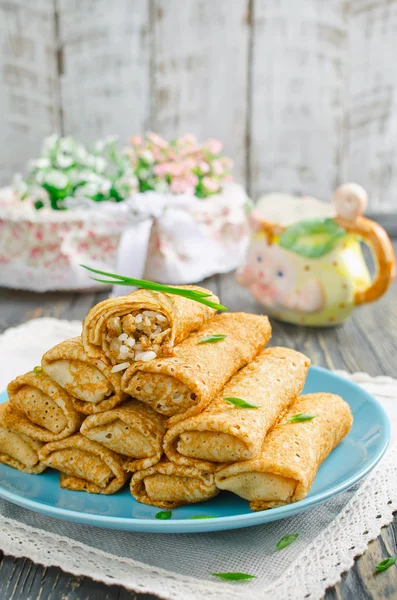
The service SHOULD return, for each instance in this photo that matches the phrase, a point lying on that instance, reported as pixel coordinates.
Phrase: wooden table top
(368, 342)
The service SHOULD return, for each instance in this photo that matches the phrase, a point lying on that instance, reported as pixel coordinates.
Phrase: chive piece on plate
(164, 514)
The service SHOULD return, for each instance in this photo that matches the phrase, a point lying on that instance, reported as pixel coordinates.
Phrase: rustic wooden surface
(366, 343)
(303, 94)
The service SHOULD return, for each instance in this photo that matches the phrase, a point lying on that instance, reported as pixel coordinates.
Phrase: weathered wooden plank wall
(304, 95)
(29, 82)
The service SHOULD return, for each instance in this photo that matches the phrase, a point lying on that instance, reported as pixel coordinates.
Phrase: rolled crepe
(90, 381)
(142, 325)
(224, 432)
(183, 385)
(167, 485)
(291, 454)
(42, 409)
(18, 450)
(85, 465)
(132, 429)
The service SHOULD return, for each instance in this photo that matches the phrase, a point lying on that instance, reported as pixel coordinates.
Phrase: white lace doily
(179, 566)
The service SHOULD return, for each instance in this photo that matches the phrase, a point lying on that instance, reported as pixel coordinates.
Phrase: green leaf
(385, 564)
(37, 370)
(212, 339)
(300, 418)
(234, 576)
(203, 517)
(312, 239)
(196, 295)
(287, 540)
(240, 403)
(164, 515)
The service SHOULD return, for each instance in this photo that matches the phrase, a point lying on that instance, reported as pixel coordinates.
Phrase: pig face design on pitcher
(312, 271)
(271, 276)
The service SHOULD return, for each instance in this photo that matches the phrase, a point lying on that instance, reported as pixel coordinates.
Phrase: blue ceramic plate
(354, 458)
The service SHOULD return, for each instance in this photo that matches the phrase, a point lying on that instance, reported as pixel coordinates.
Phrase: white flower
(80, 154)
(56, 179)
(147, 156)
(105, 186)
(88, 190)
(144, 173)
(64, 160)
(40, 163)
(67, 145)
(49, 143)
(162, 187)
(40, 176)
(100, 164)
(39, 194)
(111, 139)
(19, 185)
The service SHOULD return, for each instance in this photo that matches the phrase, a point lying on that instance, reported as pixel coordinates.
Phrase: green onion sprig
(196, 295)
(300, 418)
(240, 403)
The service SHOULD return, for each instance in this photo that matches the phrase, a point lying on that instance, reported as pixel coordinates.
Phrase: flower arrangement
(182, 166)
(66, 172)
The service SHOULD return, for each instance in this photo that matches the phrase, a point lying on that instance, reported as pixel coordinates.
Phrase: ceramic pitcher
(312, 271)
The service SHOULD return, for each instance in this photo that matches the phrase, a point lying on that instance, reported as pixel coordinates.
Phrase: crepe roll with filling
(183, 385)
(142, 325)
(42, 409)
(167, 485)
(226, 431)
(291, 453)
(90, 381)
(132, 429)
(85, 465)
(18, 450)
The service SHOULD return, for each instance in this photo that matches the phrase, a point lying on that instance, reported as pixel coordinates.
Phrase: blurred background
(302, 94)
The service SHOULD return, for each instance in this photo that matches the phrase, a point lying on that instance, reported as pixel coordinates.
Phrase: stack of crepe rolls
(18, 450)
(291, 453)
(184, 384)
(224, 432)
(89, 381)
(142, 325)
(133, 430)
(167, 485)
(144, 379)
(85, 465)
(40, 408)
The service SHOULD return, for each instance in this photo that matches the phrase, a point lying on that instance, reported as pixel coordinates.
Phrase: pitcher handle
(350, 202)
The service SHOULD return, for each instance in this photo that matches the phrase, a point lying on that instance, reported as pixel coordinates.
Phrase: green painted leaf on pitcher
(312, 239)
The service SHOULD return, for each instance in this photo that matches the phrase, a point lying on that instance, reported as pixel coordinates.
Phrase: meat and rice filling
(136, 336)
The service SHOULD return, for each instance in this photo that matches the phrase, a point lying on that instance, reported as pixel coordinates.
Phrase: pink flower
(156, 139)
(192, 178)
(214, 146)
(204, 167)
(180, 185)
(189, 163)
(137, 140)
(187, 139)
(212, 185)
(218, 167)
(187, 150)
(161, 169)
(227, 163)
